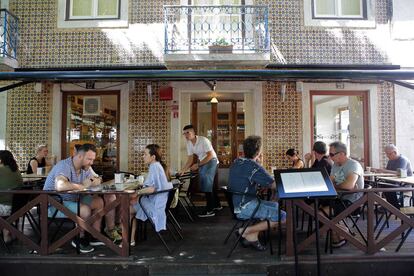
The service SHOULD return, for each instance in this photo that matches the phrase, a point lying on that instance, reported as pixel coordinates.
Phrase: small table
(401, 181)
(34, 175)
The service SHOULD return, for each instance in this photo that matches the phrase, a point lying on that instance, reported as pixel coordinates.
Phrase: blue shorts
(267, 210)
(71, 205)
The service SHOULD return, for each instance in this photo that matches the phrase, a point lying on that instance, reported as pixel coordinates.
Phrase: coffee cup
(368, 169)
(119, 178)
(402, 172)
(141, 179)
(40, 171)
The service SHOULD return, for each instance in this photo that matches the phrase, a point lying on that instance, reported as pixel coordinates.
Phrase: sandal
(245, 243)
(257, 245)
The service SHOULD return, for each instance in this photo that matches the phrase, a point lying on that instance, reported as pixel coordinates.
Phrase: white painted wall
(3, 119)
(404, 123)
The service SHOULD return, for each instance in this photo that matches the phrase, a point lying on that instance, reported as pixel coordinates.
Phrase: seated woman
(10, 178)
(39, 161)
(293, 156)
(156, 181)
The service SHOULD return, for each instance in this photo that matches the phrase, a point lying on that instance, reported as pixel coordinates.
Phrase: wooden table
(45, 198)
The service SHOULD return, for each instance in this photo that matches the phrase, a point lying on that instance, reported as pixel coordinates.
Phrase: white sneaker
(207, 214)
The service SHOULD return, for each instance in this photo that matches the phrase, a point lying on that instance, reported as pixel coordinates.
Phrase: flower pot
(220, 49)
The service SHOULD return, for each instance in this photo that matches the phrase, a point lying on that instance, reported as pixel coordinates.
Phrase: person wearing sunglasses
(206, 166)
(346, 175)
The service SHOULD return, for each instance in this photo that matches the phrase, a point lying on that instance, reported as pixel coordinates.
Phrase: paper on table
(303, 182)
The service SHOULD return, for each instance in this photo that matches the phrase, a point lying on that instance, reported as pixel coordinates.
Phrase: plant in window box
(220, 46)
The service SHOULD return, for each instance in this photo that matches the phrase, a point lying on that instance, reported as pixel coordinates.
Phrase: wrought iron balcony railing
(191, 29)
(8, 34)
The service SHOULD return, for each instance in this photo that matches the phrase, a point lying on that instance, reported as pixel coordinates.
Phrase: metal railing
(8, 34)
(194, 28)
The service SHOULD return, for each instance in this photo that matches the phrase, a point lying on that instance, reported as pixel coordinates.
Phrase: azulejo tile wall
(149, 123)
(386, 117)
(282, 123)
(28, 121)
(42, 44)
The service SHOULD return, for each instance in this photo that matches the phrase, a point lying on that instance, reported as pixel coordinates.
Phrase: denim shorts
(267, 210)
(71, 205)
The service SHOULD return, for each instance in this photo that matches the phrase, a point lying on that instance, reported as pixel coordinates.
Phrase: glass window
(338, 8)
(342, 118)
(91, 9)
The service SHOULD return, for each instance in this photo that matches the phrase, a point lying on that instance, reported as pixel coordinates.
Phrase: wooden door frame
(365, 100)
(66, 94)
(214, 122)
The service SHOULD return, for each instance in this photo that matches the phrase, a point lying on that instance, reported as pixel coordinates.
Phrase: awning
(108, 74)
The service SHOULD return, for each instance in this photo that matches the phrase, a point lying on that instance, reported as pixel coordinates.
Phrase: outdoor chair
(170, 218)
(243, 223)
(408, 211)
(184, 196)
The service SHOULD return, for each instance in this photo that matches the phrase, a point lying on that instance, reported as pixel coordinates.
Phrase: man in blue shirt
(73, 174)
(395, 161)
(245, 175)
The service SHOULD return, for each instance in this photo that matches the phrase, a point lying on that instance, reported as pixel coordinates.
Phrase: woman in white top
(156, 181)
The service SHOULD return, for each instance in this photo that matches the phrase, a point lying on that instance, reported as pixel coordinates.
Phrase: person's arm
(188, 164)
(63, 184)
(349, 183)
(298, 164)
(206, 159)
(34, 165)
(309, 159)
(146, 190)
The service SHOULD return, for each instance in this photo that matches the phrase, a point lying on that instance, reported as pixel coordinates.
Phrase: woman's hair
(41, 147)
(154, 149)
(7, 159)
(292, 152)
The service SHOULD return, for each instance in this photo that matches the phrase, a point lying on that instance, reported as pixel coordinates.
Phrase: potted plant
(220, 46)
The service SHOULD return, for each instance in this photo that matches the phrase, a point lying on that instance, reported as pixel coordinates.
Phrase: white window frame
(338, 11)
(368, 21)
(94, 12)
(99, 22)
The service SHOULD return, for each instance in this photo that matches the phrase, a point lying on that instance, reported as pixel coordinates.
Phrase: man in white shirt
(206, 166)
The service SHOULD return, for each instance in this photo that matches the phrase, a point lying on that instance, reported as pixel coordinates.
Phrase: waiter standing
(206, 166)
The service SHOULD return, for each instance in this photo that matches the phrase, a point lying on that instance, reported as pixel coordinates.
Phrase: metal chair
(244, 223)
(170, 218)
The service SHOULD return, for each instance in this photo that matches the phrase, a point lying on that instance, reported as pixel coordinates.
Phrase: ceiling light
(214, 100)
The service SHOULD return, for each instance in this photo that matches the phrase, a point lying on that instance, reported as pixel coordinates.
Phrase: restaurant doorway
(342, 116)
(223, 124)
(92, 118)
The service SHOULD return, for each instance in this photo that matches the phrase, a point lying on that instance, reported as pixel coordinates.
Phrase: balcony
(8, 40)
(220, 34)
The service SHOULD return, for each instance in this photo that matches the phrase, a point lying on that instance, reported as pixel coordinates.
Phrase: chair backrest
(170, 199)
(229, 199)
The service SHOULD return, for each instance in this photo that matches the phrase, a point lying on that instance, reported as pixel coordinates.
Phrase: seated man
(73, 174)
(346, 175)
(318, 157)
(395, 161)
(245, 174)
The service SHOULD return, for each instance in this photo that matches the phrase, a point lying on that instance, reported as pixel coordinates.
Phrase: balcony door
(342, 117)
(223, 124)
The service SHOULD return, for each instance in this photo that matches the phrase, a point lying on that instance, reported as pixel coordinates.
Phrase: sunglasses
(333, 154)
